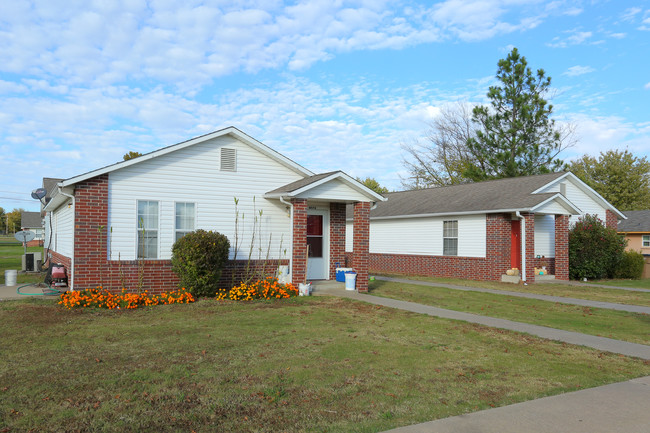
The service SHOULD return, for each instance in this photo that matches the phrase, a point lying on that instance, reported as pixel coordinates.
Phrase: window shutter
(228, 159)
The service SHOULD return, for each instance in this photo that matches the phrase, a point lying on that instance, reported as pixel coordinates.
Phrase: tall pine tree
(515, 135)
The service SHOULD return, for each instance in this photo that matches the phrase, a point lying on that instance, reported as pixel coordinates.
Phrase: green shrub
(631, 265)
(198, 259)
(595, 250)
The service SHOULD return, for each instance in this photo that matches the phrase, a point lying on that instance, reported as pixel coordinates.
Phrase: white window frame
(645, 241)
(449, 233)
(176, 229)
(138, 230)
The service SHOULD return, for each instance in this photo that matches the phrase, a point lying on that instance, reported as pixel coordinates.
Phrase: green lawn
(11, 253)
(592, 293)
(638, 284)
(595, 321)
(307, 364)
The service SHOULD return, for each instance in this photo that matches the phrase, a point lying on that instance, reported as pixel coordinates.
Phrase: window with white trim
(185, 217)
(646, 241)
(147, 224)
(450, 238)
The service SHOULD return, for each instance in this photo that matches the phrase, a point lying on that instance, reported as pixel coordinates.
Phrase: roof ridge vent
(228, 159)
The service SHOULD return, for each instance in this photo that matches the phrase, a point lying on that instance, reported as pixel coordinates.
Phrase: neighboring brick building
(115, 226)
(480, 231)
(636, 229)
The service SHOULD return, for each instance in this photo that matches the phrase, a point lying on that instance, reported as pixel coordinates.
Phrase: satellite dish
(39, 193)
(25, 236)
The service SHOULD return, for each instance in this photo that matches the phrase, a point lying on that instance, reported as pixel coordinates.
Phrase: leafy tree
(14, 220)
(444, 156)
(373, 185)
(3, 220)
(620, 177)
(515, 135)
(595, 251)
(131, 154)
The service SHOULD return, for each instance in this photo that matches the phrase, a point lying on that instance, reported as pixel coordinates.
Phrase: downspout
(282, 200)
(523, 245)
(74, 218)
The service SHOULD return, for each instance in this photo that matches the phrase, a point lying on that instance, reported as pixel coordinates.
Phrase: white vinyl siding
(545, 235)
(193, 175)
(62, 227)
(185, 219)
(335, 189)
(581, 199)
(423, 236)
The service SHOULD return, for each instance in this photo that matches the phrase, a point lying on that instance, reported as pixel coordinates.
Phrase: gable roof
(231, 130)
(637, 221)
(503, 195)
(30, 219)
(303, 186)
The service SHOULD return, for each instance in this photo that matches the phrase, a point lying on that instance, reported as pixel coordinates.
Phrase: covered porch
(317, 209)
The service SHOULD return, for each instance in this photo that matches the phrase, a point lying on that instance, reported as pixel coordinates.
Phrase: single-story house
(636, 229)
(118, 223)
(481, 230)
(33, 222)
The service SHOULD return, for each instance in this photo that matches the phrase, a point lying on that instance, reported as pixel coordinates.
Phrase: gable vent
(228, 159)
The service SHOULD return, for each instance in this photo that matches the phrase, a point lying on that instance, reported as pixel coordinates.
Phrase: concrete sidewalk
(617, 408)
(573, 301)
(599, 343)
(9, 293)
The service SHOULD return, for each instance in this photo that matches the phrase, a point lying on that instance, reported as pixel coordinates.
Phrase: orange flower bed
(100, 298)
(268, 288)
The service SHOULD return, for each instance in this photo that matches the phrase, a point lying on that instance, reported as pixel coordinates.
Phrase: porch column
(337, 237)
(561, 247)
(299, 250)
(361, 244)
(530, 246)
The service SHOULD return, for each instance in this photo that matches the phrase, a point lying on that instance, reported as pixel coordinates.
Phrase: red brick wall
(92, 269)
(337, 237)
(530, 246)
(497, 249)
(561, 270)
(361, 244)
(299, 271)
(611, 220)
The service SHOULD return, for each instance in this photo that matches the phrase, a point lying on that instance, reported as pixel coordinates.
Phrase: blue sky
(330, 84)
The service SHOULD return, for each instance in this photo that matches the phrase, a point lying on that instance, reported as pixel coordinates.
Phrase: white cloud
(575, 71)
(574, 37)
(647, 86)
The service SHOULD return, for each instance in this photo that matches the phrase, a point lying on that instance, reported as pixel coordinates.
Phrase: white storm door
(317, 244)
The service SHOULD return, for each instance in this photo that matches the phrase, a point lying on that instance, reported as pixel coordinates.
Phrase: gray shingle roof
(495, 195)
(293, 186)
(637, 221)
(30, 219)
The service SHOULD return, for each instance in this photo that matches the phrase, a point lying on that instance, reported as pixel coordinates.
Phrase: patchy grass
(602, 294)
(643, 283)
(619, 325)
(305, 364)
(11, 253)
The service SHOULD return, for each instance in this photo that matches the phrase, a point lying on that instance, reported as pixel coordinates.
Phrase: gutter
(74, 217)
(523, 245)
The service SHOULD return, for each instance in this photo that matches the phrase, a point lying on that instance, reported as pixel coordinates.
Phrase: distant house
(636, 229)
(110, 223)
(33, 222)
(479, 231)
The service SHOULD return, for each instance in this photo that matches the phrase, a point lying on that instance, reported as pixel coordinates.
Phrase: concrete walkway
(561, 299)
(599, 343)
(9, 292)
(617, 408)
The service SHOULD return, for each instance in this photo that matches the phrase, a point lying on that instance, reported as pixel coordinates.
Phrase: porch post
(299, 250)
(530, 247)
(337, 237)
(561, 247)
(361, 244)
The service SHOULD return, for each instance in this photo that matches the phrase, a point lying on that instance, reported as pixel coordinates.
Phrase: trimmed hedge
(631, 265)
(198, 258)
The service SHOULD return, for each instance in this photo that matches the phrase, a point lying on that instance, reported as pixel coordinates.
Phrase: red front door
(515, 244)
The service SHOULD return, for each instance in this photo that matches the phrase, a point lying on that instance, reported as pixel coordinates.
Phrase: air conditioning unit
(32, 262)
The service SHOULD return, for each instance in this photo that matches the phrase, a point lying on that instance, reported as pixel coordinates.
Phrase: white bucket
(350, 280)
(10, 277)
